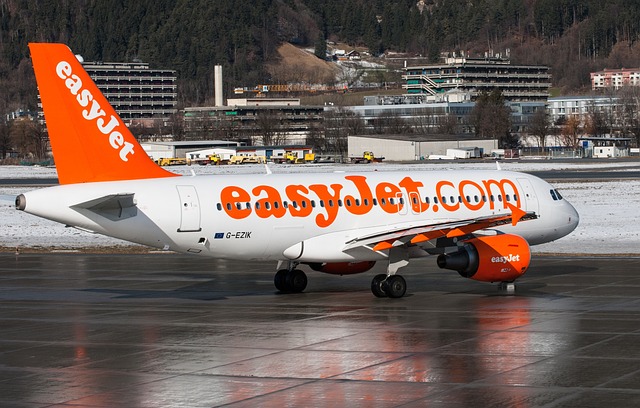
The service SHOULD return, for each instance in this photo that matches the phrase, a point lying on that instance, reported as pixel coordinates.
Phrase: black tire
(280, 280)
(395, 286)
(376, 285)
(296, 281)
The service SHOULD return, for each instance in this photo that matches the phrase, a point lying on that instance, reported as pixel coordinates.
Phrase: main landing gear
(290, 280)
(390, 284)
(393, 286)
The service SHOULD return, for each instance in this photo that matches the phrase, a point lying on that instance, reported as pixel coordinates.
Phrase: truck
(213, 159)
(247, 159)
(293, 158)
(367, 157)
(172, 161)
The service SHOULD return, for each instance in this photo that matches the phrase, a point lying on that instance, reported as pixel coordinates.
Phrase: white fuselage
(264, 216)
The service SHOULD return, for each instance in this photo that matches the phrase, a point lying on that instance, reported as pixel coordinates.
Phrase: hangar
(416, 147)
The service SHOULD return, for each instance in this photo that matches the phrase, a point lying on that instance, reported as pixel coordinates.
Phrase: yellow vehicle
(172, 161)
(292, 157)
(251, 159)
(367, 157)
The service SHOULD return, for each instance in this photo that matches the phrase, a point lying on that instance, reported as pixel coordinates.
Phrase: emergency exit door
(189, 209)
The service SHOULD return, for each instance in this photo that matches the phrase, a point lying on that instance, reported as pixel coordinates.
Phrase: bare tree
(5, 139)
(540, 126)
(339, 124)
(570, 131)
(629, 101)
(177, 126)
(595, 122)
(448, 124)
(491, 117)
(271, 127)
(30, 138)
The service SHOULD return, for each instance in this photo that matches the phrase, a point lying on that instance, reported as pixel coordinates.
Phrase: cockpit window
(555, 194)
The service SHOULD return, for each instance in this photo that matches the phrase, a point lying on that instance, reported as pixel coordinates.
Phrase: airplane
(478, 223)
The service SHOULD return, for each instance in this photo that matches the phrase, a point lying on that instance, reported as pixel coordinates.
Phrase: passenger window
(313, 203)
(229, 206)
(257, 206)
(357, 203)
(339, 203)
(285, 204)
(391, 201)
(276, 205)
(267, 205)
(443, 199)
(294, 204)
(303, 204)
(239, 206)
(322, 203)
(375, 201)
(348, 202)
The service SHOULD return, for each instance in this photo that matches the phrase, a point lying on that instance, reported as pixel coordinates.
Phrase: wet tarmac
(163, 330)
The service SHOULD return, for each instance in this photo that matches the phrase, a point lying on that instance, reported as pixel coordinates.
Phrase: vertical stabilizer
(89, 141)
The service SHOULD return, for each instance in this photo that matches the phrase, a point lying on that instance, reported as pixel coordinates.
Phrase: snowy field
(609, 210)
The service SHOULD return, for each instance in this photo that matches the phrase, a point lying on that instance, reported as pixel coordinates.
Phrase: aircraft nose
(570, 218)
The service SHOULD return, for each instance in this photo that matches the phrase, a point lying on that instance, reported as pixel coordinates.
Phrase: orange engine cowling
(342, 268)
(499, 258)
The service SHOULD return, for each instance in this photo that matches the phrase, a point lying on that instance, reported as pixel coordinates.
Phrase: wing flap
(381, 241)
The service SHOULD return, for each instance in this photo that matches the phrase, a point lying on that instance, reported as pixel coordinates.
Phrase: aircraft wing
(381, 241)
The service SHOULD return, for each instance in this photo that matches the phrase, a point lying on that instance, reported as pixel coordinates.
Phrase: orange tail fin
(89, 141)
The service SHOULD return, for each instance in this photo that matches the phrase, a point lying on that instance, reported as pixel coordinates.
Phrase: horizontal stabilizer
(114, 207)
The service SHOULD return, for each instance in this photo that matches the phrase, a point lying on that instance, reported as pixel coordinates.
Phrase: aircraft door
(189, 209)
(530, 200)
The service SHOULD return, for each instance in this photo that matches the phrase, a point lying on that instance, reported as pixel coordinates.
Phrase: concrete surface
(163, 330)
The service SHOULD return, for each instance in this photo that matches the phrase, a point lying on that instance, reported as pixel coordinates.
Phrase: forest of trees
(574, 37)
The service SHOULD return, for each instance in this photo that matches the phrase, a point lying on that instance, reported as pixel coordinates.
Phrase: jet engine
(499, 258)
(342, 268)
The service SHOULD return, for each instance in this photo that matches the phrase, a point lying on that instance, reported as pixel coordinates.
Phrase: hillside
(574, 37)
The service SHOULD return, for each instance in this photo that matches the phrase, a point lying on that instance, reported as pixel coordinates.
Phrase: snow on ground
(609, 210)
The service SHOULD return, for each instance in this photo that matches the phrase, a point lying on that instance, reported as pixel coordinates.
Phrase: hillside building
(615, 78)
(474, 75)
(136, 91)
(256, 121)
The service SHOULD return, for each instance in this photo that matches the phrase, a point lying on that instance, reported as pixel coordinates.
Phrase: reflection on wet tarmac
(169, 330)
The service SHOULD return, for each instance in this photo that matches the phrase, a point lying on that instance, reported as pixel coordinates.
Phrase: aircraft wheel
(296, 281)
(280, 280)
(376, 285)
(395, 286)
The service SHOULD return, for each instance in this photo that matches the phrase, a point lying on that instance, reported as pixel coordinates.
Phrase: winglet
(89, 141)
